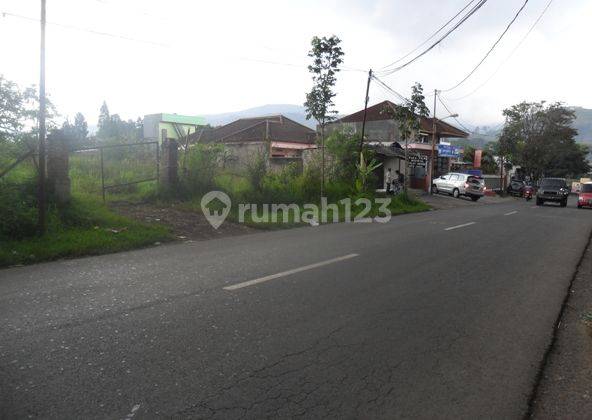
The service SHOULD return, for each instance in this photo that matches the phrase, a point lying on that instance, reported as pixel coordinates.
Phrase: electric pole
(432, 161)
(365, 109)
(42, 205)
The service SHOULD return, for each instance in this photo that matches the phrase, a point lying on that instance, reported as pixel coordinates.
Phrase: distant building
(281, 138)
(382, 133)
(157, 127)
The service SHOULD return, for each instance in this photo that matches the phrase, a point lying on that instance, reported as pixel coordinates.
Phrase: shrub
(18, 212)
(203, 165)
(256, 171)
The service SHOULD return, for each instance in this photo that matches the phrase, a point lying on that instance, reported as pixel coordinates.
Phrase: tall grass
(121, 165)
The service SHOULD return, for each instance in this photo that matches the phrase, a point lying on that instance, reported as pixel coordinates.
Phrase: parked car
(554, 190)
(516, 188)
(459, 184)
(585, 195)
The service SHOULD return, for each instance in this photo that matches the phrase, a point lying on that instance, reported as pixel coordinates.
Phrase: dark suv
(552, 189)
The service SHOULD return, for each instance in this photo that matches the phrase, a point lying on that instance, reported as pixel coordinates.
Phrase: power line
(460, 123)
(509, 56)
(430, 37)
(433, 45)
(92, 31)
(101, 33)
(390, 90)
(491, 49)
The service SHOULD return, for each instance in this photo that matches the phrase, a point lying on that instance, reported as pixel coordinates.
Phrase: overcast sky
(204, 57)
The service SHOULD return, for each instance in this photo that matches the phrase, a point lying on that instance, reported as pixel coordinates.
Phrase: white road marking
(288, 272)
(133, 412)
(534, 207)
(511, 213)
(460, 226)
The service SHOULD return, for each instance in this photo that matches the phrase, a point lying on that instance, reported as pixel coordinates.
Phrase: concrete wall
(384, 130)
(241, 154)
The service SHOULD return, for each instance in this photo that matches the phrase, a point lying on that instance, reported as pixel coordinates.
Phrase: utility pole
(365, 109)
(42, 205)
(322, 158)
(432, 160)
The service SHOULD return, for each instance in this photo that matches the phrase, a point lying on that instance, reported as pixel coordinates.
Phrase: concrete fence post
(170, 163)
(58, 162)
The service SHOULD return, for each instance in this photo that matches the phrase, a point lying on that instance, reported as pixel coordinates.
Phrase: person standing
(388, 179)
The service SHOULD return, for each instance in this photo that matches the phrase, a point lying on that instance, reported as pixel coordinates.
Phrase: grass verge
(86, 228)
(268, 219)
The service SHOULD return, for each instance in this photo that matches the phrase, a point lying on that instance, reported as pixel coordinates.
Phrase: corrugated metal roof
(275, 128)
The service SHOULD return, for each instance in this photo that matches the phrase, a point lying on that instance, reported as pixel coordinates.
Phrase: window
(454, 177)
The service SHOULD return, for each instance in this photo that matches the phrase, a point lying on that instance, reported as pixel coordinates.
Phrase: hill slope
(294, 112)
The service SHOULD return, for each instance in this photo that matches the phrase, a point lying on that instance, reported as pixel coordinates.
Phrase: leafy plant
(365, 171)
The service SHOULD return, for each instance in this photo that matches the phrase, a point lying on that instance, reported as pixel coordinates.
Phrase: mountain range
(294, 112)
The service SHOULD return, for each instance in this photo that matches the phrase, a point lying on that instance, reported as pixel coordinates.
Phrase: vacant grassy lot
(87, 227)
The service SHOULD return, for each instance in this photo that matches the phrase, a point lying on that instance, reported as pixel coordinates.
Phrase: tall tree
(408, 118)
(327, 55)
(540, 138)
(80, 127)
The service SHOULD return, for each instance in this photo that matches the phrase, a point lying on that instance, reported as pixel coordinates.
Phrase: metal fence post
(102, 175)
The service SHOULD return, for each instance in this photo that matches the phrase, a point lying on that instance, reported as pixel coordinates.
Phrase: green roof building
(157, 127)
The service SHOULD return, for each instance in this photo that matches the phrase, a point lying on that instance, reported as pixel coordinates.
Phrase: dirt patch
(186, 225)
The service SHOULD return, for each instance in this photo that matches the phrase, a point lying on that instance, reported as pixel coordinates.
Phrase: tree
(104, 117)
(540, 139)
(112, 128)
(408, 118)
(326, 57)
(19, 109)
(80, 127)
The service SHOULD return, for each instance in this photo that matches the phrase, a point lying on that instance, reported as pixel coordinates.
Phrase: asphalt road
(428, 316)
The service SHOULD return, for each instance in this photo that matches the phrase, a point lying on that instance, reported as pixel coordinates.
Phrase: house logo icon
(220, 203)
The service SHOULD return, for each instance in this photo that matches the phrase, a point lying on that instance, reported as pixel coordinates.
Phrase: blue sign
(476, 172)
(446, 150)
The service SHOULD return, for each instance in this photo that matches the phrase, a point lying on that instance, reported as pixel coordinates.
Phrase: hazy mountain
(294, 112)
(583, 124)
(483, 135)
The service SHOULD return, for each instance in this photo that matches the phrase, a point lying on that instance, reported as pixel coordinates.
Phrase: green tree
(19, 109)
(104, 119)
(540, 138)
(80, 127)
(327, 55)
(408, 118)
(111, 127)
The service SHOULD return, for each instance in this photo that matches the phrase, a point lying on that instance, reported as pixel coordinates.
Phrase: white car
(459, 184)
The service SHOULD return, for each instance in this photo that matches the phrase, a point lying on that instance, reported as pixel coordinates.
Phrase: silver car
(459, 184)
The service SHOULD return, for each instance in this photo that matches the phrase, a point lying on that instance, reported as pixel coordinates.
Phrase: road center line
(460, 226)
(289, 272)
(511, 213)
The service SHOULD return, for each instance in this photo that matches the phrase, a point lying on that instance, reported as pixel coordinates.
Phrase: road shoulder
(565, 388)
